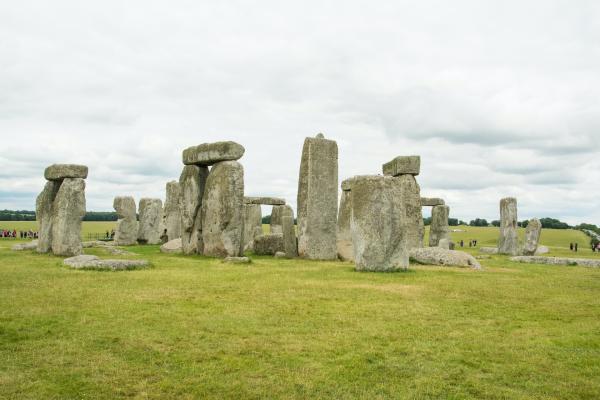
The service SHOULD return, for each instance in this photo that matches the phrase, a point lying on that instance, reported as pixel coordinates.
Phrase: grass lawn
(192, 327)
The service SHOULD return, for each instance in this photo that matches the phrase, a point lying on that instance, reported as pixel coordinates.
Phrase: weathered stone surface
(346, 185)
(581, 262)
(222, 210)
(411, 214)
(93, 262)
(150, 226)
(318, 200)
(126, 233)
(508, 243)
(542, 250)
(237, 260)
(290, 245)
(277, 214)
(192, 184)
(439, 228)
(344, 233)
(377, 224)
(446, 244)
(532, 237)
(43, 209)
(172, 210)
(268, 245)
(61, 171)
(439, 256)
(403, 165)
(266, 201)
(25, 246)
(431, 202)
(252, 225)
(488, 250)
(212, 153)
(68, 210)
(172, 246)
(280, 254)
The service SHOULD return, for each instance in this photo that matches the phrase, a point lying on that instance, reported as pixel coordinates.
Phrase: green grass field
(193, 327)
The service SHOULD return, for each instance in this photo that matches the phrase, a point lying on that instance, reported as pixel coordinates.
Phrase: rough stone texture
(43, 209)
(172, 210)
(280, 254)
(581, 262)
(290, 245)
(277, 214)
(508, 243)
(346, 185)
(172, 246)
(439, 256)
(532, 237)
(445, 244)
(252, 225)
(268, 245)
(432, 202)
(403, 165)
(488, 250)
(318, 200)
(126, 232)
(237, 260)
(150, 226)
(222, 210)
(542, 250)
(439, 228)
(411, 214)
(57, 172)
(192, 184)
(67, 212)
(378, 224)
(93, 262)
(267, 201)
(212, 153)
(25, 246)
(344, 233)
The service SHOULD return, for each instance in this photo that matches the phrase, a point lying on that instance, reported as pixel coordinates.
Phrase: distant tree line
(24, 215)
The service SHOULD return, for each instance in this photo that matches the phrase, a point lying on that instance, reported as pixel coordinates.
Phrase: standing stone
(43, 213)
(192, 184)
(268, 245)
(252, 225)
(318, 199)
(67, 212)
(172, 211)
(439, 229)
(150, 226)
(508, 242)
(378, 235)
(126, 232)
(290, 245)
(412, 215)
(222, 212)
(344, 233)
(277, 214)
(532, 237)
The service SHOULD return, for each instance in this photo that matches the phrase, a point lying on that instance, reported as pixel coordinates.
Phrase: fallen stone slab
(432, 202)
(542, 250)
(403, 165)
(266, 201)
(439, 256)
(172, 246)
(237, 260)
(268, 245)
(581, 262)
(488, 250)
(93, 262)
(212, 153)
(25, 246)
(280, 254)
(57, 172)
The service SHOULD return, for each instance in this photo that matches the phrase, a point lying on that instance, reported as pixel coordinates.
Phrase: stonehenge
(439, 229)
(277, 214)
(192, 183)
(126, 232)
(208, 154)
(252, 225)
(172, 210)
(532, 237)
(267, 201)
(444, 257)
(344, 233)
(403, 165)
(150, 226)
(508, 243)
(60, 208)
(290, 244)
(318, 199)
(268, 245)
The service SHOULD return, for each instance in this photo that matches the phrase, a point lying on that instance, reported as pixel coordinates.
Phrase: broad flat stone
(172, 210)
(237, 260)
(150, 225)
(212, 153)
(192, 184)
(25, 246)
(403, 165)
(488, 250)
(268, 245)
(318, 200)
(43, 213)
(532, 237)
(574, 262)
(172, 246)
(94, 262)
(267, 201)
(126, 232)
(431, 202)
(439, 229)
(61, 171)
(439, 256)
(68, 211)
(508, 243)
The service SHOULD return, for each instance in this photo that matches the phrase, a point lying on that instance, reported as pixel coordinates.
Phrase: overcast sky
(499, 98)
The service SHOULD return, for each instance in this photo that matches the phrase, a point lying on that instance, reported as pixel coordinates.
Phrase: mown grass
(193, 327)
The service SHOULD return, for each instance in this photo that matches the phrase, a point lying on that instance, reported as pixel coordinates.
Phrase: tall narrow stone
(277, 214)
(410, 206)
(192, 184)
(222, 212)
(67, 212)
(532, 237)
(290, 247)
(344, 233)
(508, 242)
(318, 199)
(172, 210)
(439, 229)
(150, 226)
(126, 232)
(252, 225)
(43, 213)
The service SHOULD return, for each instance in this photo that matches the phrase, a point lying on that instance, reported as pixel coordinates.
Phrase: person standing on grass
(576, 245)
(571, 246)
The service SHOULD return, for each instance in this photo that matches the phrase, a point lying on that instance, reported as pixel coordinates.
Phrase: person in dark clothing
(164, 238)
(576, 246)
(571, 246)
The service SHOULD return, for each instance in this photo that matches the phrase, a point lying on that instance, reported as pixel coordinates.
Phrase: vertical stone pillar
(172, 210)
(532, 237)
(439, 229)
(277, 213)
(290, 247)
(67, 212)
(43, 212)
(252, 225)
(127, 226)
(150, 225)
(508, 243)
(192, 183)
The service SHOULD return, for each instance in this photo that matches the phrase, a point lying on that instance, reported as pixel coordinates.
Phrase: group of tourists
(472, 243)
(574, 247)
(14, 234)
